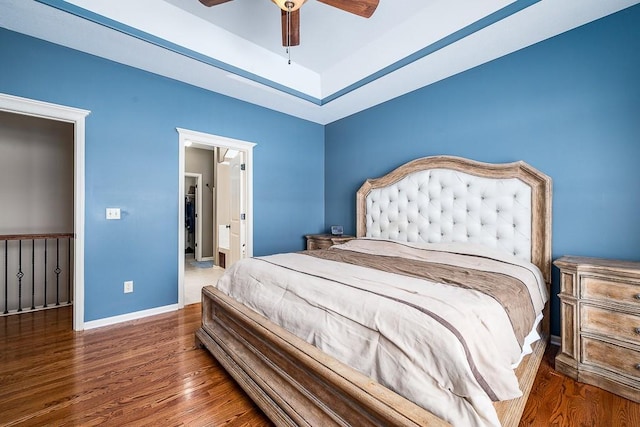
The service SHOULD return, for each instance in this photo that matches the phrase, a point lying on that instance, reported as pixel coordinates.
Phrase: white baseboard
(129, 316)
(555, 340)
(207, 258)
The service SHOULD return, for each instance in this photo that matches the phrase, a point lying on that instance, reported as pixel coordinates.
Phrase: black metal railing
(28, 269)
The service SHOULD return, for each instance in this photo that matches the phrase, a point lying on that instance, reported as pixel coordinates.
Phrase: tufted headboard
(451, 199)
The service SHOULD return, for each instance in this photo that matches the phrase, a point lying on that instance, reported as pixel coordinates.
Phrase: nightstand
(600, 323)
(324, 241)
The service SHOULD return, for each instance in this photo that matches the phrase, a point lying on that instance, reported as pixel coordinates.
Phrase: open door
(236, 202)
(223, 214)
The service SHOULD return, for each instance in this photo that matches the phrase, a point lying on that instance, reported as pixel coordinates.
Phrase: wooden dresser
(324, 241)
(600, 315)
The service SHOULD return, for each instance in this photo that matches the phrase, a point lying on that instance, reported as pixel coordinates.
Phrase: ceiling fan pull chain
(289, 35)
(289, 6)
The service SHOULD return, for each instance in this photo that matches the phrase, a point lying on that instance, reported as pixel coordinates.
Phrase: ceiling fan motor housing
(289, 5)
(290, 14)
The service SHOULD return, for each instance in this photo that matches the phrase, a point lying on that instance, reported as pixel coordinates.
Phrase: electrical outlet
(113, 213)
(128, 286)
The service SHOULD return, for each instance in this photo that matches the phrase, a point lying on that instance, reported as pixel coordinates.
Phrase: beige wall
(202, 161)
(36, 175)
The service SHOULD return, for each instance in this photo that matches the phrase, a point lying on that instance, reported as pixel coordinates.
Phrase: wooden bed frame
(294, 383)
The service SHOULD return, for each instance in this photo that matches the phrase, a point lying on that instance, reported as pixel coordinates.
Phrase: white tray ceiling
(344, 63)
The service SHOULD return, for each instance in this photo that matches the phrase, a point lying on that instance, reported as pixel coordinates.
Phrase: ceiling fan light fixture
(290, 14)
(289, 5)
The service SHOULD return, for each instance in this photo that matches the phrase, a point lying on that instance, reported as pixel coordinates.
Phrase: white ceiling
(344, 63)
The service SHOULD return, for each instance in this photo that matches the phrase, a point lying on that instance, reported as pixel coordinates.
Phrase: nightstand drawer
(314, 244)
(325, 241)
(609, 323)
(610, 290)
(611, 357)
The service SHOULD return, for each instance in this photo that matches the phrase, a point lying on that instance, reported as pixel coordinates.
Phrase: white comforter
(452, 356)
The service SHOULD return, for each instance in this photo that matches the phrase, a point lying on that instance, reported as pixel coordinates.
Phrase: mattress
(440, 324)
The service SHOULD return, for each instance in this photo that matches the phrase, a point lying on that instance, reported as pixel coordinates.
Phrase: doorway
(226, 151)
(18, 105)
(193, 214)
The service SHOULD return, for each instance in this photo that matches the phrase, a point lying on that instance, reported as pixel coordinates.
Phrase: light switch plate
(128, 286)
(113, 213)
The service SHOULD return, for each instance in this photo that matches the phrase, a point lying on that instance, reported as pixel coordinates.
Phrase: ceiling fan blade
(364, 8)
(290, 35)
(213, 2)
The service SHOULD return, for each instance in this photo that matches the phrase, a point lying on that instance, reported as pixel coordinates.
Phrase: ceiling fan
(290, 14)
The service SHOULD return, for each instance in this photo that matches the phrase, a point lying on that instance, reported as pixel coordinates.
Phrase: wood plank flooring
(557, 400)
(145, 372)
(148, 372)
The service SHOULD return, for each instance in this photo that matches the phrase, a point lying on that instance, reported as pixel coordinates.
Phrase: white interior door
(223, 212)
(236, 204)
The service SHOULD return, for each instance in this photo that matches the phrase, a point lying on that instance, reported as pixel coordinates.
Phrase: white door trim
(198, 234)
(18, 105)
(211, 141)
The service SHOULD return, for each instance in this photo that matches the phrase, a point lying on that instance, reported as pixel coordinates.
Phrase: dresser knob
(638, 366)
(637, 330)
(637, 296)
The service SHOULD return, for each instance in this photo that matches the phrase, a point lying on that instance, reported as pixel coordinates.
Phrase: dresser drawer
(611, 357)
(610, 323)
(610, 290)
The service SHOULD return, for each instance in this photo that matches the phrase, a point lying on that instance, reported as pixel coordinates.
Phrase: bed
(442, 213)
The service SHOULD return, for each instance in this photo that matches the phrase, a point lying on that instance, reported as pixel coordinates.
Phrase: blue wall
(132, 163)
(569, 106)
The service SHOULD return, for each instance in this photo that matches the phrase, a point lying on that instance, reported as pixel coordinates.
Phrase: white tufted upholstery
(442, 205)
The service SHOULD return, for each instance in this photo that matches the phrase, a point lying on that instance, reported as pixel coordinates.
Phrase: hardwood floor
(148, 372)
(557, 400)
(145, 372)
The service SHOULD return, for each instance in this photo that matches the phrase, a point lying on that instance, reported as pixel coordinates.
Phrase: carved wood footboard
(293, 382)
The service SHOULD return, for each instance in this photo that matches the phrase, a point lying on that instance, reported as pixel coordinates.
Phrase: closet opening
(193, 215)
